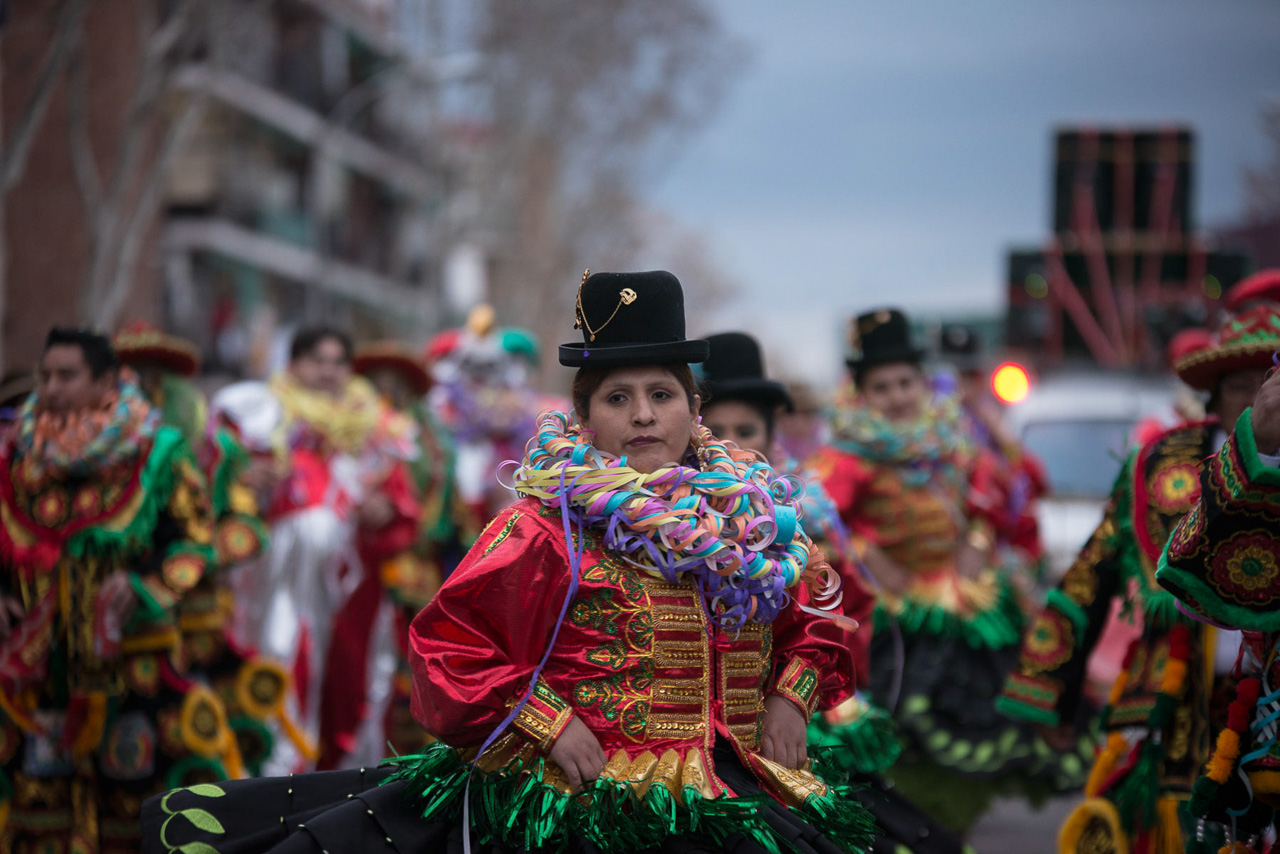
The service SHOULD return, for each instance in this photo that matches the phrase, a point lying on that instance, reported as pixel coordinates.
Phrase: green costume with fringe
(1155, 489)
(91, 722)
(943, 644)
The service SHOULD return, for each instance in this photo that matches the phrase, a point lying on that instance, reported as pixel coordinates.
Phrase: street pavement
(1012, 827)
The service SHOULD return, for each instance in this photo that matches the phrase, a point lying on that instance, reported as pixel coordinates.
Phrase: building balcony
(291, 261)
(308, 127)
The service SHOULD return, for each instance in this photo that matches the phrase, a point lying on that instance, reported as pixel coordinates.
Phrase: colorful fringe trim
(514, 808)
(867, 744)
(996, 628)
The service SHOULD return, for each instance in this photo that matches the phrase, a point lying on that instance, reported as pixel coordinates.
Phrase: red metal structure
(1123, 269)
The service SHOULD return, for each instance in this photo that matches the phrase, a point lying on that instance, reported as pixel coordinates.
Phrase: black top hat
(630, 319)
(735, 371)
(961, 346)
(879, 338)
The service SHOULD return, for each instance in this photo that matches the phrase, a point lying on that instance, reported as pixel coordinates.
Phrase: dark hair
(587, 380)
(308, 338)
(97, 350)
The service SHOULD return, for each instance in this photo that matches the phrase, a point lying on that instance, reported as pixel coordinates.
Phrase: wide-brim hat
(394, 356)
(1186, 343)
(734, 370)
(1247, 341)
(141, 343)
(881, 337)
(1262, 286)
(630, 319)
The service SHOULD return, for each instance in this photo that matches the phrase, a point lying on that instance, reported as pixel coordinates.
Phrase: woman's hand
(784, 732)
(970, 561)
(578, 753)
(892, 577)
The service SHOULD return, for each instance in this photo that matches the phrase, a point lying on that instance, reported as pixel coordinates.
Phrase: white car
(1082, 426)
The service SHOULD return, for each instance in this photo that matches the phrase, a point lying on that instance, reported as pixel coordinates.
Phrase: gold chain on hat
(626, 296)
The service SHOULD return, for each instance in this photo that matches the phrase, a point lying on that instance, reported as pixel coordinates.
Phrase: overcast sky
(889, 152)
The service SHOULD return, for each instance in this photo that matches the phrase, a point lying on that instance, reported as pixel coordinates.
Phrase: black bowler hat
(630, 319)
(735, 371)
(960, 345)
(879, 338)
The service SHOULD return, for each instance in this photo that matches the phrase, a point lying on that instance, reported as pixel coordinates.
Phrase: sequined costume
(1223, 565)
(483, 398)
(95, 717)
(334, 452)
(251, 687)
(671, 699)
(412, 576)
(914, 492)
(1158, 732)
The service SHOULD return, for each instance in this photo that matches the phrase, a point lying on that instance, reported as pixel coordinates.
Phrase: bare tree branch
(83, 160)
(144, 212)
(13, 161)
(151, 83)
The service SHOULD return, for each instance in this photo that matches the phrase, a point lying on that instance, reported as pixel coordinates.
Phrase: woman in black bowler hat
(740, 403)
(625, 661)
(907, 479)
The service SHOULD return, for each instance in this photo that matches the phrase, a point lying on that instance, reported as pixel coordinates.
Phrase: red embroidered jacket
(636, 660)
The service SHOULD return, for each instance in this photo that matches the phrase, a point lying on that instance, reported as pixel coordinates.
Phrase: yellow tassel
(4, 814)
(95, 725)
(1175, 673)
(1235, 848)
(297, 736)
(1166, 837)
(232, 762)
(1117, 688)
(21, 717)
(1225, 754)
(1105, 764)
(1089, 815)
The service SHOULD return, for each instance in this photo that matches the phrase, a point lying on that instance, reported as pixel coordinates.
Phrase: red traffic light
(1010, 383)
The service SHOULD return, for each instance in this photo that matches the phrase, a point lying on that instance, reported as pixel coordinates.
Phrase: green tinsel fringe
(184, 408)
(996, 628)
(867, 745)
(158, 476)
(516, 809)
(232, 460)
(1136, 793)
(1159, 607)
(840, 818)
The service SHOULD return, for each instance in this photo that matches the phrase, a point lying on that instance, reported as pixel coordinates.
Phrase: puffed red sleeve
(812, 660)
(846, 478)
(474, 647)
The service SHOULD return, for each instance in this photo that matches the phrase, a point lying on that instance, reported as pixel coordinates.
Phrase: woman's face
(644, 415)
(896, 390)
(737, 422)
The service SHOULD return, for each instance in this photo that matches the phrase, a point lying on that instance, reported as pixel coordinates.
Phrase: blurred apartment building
(317, 182)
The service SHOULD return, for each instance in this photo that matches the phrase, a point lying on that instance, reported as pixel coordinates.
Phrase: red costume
(637, 660)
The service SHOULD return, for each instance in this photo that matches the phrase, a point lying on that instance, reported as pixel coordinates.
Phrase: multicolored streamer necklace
(732, 525)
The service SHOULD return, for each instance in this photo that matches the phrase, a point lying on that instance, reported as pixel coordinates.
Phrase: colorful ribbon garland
(733, 526)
